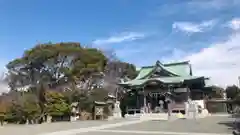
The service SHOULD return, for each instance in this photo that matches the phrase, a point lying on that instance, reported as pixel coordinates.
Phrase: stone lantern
(110, 100)
(98, 110)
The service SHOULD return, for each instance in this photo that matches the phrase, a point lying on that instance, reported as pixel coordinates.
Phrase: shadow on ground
(231, 124)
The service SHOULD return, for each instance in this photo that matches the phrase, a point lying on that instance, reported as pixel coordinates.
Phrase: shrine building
(156, 85)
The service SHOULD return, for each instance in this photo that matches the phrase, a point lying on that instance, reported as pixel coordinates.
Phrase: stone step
(157, 116)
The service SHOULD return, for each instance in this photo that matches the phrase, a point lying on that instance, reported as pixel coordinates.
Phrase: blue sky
(139, 31)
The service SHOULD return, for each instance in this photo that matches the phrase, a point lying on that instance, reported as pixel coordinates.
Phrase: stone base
(236, 132)
(133, 116)
(117, 115)
(73, 118)
(154, 116)
(49, 119)
(203, 114)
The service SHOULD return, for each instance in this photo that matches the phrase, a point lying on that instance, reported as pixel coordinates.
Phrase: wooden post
(187, 105)
(145, 103)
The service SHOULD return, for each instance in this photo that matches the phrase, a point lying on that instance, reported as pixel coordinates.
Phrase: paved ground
(205, 125)
(51, 127)
(214, 125)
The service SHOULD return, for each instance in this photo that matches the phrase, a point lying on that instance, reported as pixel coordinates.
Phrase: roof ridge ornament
(158, 63)
(158, 66)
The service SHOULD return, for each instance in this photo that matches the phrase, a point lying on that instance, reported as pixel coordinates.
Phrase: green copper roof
(181, 70)
(177, 69)
(144, 72)
(161, 79)
(178, 73)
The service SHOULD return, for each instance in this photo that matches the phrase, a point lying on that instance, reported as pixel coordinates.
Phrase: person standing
(161, 105)
(169, 106)
(123, 107)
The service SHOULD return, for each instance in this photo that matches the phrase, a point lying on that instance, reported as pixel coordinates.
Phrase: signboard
(176, 106)
(180, 90)
(192, 108)
(156, 94)
(153, 83)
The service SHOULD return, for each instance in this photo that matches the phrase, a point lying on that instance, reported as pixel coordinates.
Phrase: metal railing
(133, 110)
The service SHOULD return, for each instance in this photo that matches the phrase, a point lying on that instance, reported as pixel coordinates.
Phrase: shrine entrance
(157, 96)
(157, 102)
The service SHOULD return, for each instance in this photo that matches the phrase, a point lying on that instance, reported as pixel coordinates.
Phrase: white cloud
(220, 61)
(190, 27)
(128, 36)
(3, 85)
(186, 27)
(234, 24)
(176, 55)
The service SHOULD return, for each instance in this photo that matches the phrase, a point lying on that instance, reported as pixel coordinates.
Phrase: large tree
(50, 66)
(3, 111)
(115, 68)
(115, 71)
(23, 108)
(232, 91)
(216, 92)
(55, 64)
(56, 104)
(61, 65)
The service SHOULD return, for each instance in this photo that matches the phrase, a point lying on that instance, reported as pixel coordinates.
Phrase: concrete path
(213, 125)
(51, 127)
(121, 132)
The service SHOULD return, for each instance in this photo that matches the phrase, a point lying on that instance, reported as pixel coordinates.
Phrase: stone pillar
(145, 104)
(161, 103)
(186, 108)
(188, 93)
(110, 109)
(144, 108)
(117, 110)
(49, 119)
